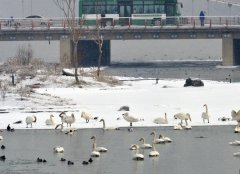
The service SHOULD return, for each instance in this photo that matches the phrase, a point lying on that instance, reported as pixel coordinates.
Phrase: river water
(187, 153)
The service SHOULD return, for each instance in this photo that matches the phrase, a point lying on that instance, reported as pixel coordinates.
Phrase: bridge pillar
(227, 52)
(66, 51)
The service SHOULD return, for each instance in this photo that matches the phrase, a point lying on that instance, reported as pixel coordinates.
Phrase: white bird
(157, 140)
(166, 139)
(98, 149)
(178, 127)
(134, 147)
(237, 154)
(94, 153)
(50, 121)
(154, 152)
(1, 138)
(236, 143)
(86, 116)
(129, 118)
(108, 128)
(30, 120)
(66, 130)
(145, 145)
(237, 129)
(138, 156)
(236, 116)
(205, 115)
(69, 119)
(161, 120)
(183, 116)
(58, 149)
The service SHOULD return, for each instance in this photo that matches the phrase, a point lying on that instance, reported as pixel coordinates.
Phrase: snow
(146, 99)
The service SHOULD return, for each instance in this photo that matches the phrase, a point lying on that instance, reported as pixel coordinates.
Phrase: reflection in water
(186, 154)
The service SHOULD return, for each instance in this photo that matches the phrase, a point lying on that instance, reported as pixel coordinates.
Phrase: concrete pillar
(66, 51)
(227, 52)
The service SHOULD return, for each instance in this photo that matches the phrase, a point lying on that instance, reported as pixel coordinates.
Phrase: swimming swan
(58, 149)
(145, 145)
(166, 139)
(235, 143)
(30, 120)
(98, 149)
(205, 115)
(134, 147)
(66, 130)
(161, 120)
(108, 128)
(153, 153)
(157, 140)
(236, 116)
(138, 156)
(50, 121)
(1, 138)
(129, 118)
(183, 116)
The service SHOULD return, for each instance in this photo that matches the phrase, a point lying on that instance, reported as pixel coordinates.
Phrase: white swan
(30, 120)
(66, 130)
(145, 145)
(183, 116)
(237, 129)
(69, 119)
(86, 116)
(161, 120)
(134, 147)
(235, 143)
(129, 118)
(108, 128)
(236, 116)
(166, 139)
(157, 140)
(178, 127)
(1, 138)
(58, 149)
(237, 154)
(98, 149)
(138, 156)
(205, 115)
(50, 121)
(154, 152)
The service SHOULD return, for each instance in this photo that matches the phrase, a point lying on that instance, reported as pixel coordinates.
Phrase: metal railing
(121, 22)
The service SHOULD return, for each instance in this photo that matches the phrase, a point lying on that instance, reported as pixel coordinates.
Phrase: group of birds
(153, 153)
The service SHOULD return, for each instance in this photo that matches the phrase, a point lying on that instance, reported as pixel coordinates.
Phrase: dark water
(186, 154)
(206, 70)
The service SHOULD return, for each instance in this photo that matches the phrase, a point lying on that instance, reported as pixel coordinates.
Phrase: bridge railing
(121, 22)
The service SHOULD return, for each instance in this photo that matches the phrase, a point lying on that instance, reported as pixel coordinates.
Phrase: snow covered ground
(146, 100)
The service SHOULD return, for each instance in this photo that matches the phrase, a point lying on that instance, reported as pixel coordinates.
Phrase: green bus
(136, 12)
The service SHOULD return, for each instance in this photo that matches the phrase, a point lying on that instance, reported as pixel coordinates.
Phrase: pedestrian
(202, 18)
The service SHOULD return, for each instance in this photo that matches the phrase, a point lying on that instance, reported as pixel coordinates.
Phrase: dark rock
(195, 83)
(124, 108)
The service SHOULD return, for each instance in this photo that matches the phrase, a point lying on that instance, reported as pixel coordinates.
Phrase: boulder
(196, 82)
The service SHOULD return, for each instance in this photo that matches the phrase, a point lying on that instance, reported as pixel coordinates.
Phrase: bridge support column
(66, 51)
(227, 52)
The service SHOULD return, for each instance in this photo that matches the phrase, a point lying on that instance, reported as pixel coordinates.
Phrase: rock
(124, 108)
(190, 82)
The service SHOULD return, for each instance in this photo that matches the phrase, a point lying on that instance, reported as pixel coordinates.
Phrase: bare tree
(75, 27)
(98, 38)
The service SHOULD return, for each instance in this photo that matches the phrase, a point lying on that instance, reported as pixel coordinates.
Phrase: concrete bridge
(225, 28)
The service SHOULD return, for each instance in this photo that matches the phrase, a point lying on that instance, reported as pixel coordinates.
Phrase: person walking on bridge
(202, 18)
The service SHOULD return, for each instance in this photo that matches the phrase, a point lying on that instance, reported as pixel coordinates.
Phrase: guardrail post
(113, 23)
(210, 23)
(129, 24)
(145, 24)
(32, 24)
(220, 21)
(194, 24)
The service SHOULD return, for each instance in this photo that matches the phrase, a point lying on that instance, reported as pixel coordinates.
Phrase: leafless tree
(24, 55)
(98, 38)
(75, 27)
